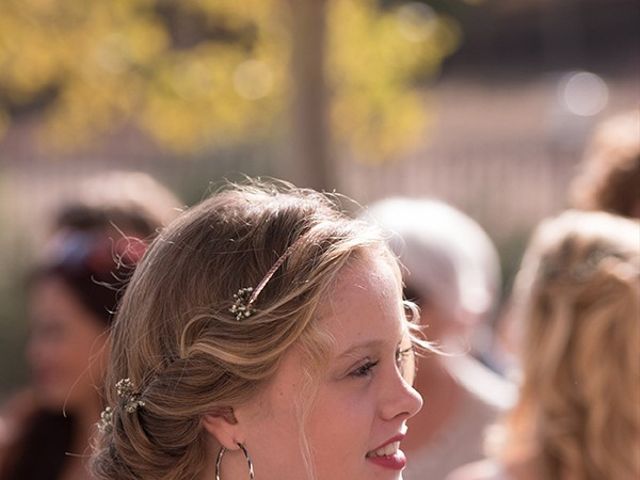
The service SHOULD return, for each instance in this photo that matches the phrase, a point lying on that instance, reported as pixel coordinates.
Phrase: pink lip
(397, 461)
(397, 438)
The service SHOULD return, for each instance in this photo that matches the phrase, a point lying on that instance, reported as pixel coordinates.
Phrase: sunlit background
(485, 104)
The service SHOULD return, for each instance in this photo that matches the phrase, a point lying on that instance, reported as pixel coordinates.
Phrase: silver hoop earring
(246, 455)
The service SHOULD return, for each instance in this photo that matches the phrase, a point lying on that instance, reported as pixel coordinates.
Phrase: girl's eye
(365, 370)
(403, 355)
(405, 361)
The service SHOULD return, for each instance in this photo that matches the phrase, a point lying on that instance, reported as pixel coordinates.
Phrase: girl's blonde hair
(579, 294)
(177, 341)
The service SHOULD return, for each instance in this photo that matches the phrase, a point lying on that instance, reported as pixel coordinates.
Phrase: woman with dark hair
(73, 292)
(71, 298)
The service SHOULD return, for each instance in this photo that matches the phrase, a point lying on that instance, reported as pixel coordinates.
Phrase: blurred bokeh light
(583, 93)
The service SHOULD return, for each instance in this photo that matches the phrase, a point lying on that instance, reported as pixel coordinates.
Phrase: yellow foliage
(111, 61)
(373, 62)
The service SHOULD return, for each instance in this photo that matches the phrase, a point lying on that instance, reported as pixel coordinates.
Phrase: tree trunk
(309, 163)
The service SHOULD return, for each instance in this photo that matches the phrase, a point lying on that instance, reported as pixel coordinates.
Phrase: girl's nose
(401, 400)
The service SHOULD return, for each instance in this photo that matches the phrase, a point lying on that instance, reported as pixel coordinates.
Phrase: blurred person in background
(578, 415)
(609, 179)
(452, 272)
(95, 242)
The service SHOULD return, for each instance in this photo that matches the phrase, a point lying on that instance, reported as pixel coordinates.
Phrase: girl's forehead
(366, 299)
(363, 281)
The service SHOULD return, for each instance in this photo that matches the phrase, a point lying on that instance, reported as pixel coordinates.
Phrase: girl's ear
(224, 427)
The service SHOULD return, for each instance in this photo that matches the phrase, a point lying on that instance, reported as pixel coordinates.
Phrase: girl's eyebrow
(365, 346)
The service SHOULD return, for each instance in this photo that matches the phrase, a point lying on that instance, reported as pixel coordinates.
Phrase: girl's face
(65, 347)
(359, 407)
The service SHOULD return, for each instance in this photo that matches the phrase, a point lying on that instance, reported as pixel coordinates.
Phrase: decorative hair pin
(244, 299)
(105, 425)
(125, 390)
(242, 307)
(131, 402)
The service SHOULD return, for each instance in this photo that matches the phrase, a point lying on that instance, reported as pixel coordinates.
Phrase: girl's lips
(397, 461)
(396, 438)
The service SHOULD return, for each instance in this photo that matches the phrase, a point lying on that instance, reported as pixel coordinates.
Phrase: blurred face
(65, 349)
(357, 414)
